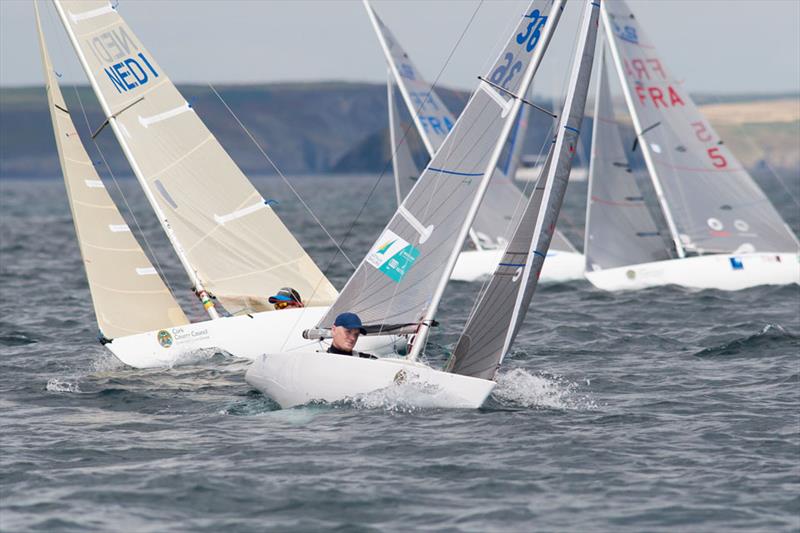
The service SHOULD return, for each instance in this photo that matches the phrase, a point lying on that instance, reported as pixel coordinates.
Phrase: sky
(720, 46)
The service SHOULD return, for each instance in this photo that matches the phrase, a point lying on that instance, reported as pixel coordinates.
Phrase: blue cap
(286, 294)
(350, 321)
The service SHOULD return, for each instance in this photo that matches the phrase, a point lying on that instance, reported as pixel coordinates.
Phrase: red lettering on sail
(640, 93)
(674, 98)
(655, 65)
(656, 95)
(641, 69)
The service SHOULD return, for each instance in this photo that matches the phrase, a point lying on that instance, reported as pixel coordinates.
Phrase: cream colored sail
(226, 234)
(129, 296)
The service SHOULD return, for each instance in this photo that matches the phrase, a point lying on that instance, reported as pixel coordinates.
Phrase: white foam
(521, 388)
(57, 385)
(403, 397)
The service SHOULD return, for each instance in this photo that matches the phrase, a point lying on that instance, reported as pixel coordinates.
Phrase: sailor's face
(345, 338)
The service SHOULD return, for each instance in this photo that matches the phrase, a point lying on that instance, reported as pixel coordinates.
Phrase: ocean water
(660, 410)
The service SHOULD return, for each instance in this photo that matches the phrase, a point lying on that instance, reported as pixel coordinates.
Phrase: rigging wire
(132, 215)
(278, 170)
(751, 141)
(394, 150)
(410, 126)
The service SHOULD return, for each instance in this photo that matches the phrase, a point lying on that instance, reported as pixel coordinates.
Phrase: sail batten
(501, 309)
(619, 227)
(114, 262)
(710, 202)
(503, 201)
(405, 272)
(187, 176)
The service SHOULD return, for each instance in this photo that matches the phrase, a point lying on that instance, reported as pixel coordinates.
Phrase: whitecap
(58, 385)
(521, 388)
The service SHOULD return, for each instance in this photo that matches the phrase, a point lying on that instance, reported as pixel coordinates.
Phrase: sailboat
(233, 247)
(711, 227)
(503, 203)
(402, 278)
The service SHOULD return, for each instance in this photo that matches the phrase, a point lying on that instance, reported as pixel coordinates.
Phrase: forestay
(503, 202)
(619, 228)
(404, 273)
(495, 321)
(233, 242)
(129, 296)
(715, 205)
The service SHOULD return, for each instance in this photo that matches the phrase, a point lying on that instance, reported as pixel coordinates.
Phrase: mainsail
(503, 202)
(496, 319)
(226, 234)
(403, 276)
(711, 203)
(619, 227)
(129, 296)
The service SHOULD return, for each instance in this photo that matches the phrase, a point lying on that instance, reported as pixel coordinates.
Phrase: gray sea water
(659, 410)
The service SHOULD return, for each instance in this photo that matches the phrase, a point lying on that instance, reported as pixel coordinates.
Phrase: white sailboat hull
(559, 266)
(297, 378)
(241, 336)
(723, 272)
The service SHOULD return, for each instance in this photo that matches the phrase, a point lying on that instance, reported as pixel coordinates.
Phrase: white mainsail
(495, 321)
(619, 227)
(128, 294)
(710, 202)
(503, 202)
(403, 276)
(229, 239)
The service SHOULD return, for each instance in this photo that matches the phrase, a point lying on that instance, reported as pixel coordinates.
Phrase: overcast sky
(722, 46)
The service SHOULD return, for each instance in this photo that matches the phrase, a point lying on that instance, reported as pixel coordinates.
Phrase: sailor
(285, 298)
(346, 329)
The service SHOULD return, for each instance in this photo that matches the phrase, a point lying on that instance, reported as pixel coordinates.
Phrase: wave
(770, 336)
(59, 385)
(520, 388)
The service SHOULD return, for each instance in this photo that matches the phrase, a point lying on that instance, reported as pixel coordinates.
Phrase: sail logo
(128, 67)
(626, 33)
(382, 249)
(392, 255)
(164, 338)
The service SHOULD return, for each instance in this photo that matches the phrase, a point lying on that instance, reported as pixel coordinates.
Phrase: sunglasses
(284, 305)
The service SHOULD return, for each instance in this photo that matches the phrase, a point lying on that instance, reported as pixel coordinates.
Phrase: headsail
(404, 274)
(710, 201)
(496, 319)
(129, 296)
(503, 203)
(226, 234)
(619, 227)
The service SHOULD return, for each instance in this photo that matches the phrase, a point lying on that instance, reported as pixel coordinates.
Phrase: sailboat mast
(392, 137)
(516, 103)
(205, 299)
(601, 73)
(396, 73)
(651, 168)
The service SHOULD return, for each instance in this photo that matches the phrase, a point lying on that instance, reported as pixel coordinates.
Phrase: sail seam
(182, 158)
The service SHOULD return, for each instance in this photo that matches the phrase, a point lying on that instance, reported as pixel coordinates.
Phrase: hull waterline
(246, 336)
(723, 272)
(297, 378)
(559, 267)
